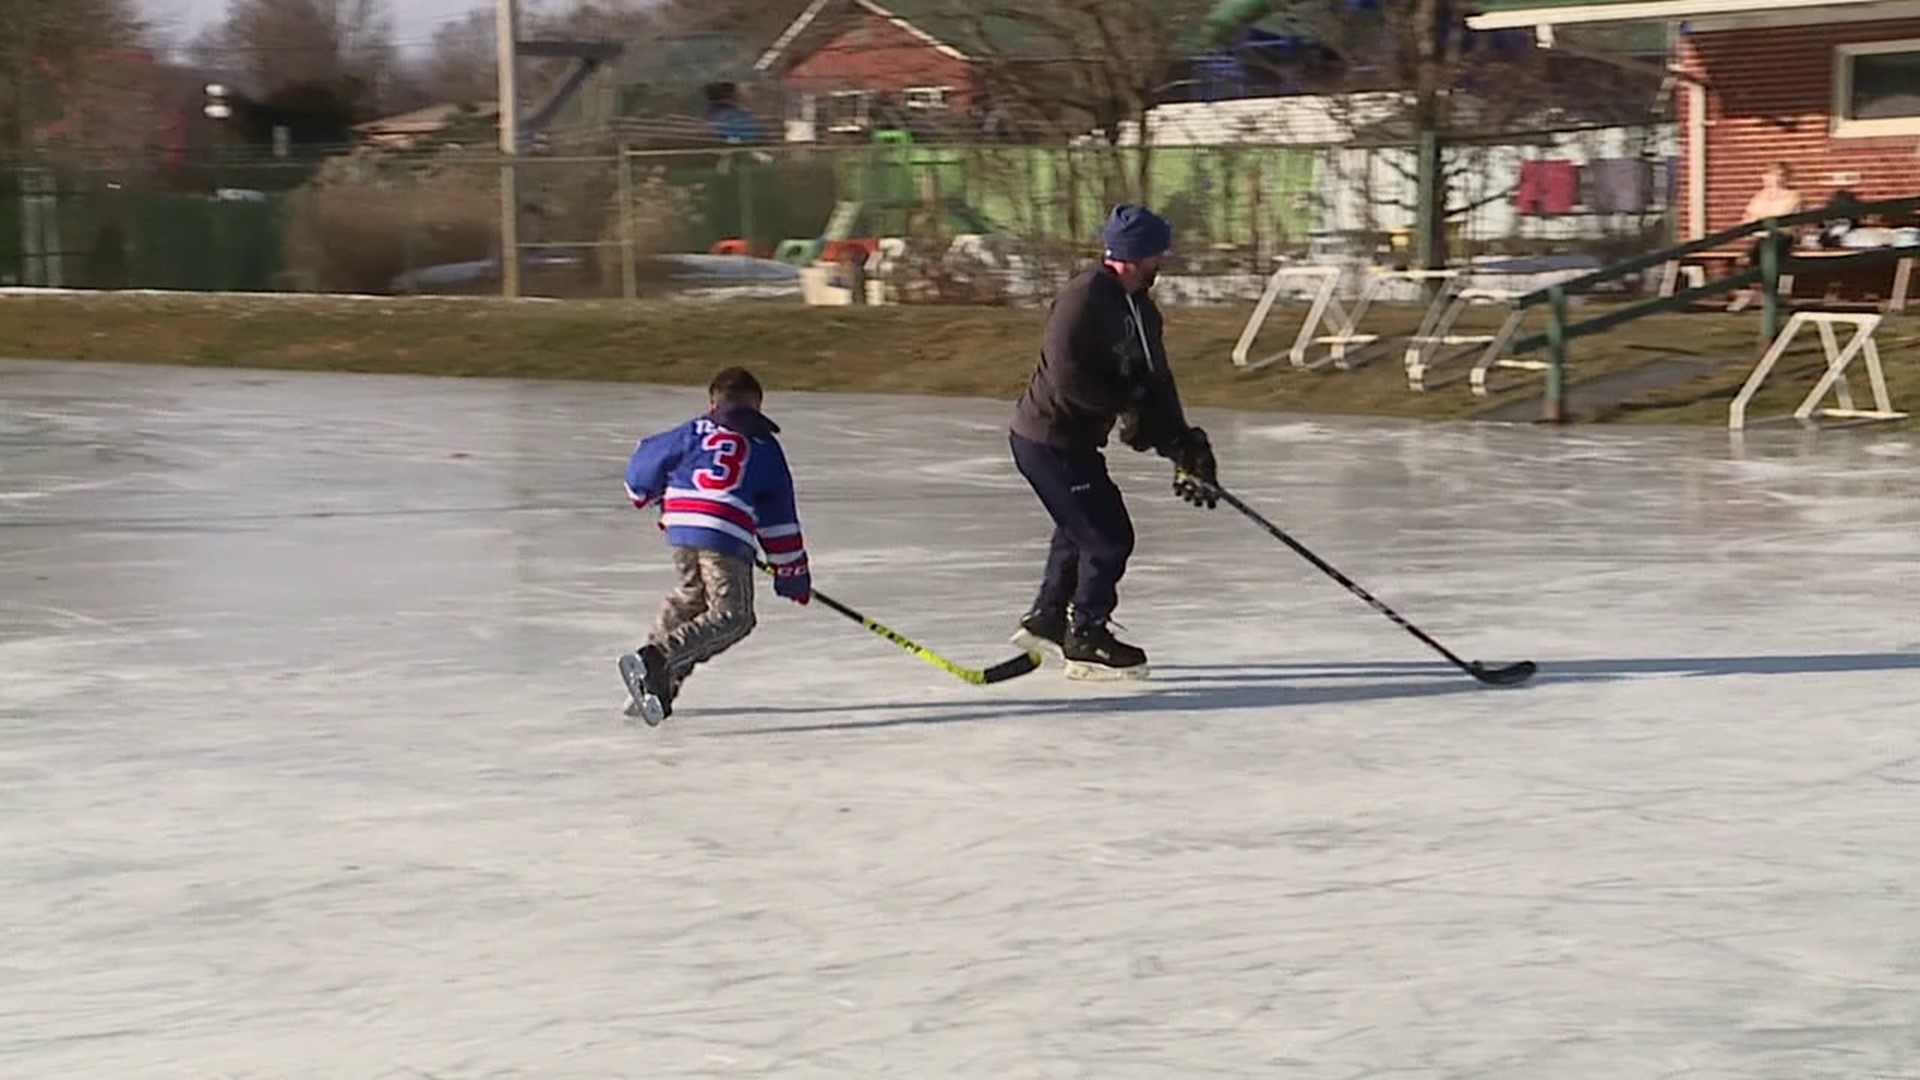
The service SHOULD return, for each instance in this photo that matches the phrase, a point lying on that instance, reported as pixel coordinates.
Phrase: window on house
(848, 110)
(1876, 89)
(926, 98)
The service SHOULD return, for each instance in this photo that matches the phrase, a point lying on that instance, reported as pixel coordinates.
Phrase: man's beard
(1148, 277)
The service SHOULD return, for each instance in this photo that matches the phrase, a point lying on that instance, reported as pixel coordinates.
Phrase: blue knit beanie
(1136, 234)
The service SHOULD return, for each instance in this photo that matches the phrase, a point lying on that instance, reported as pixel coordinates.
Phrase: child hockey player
(724, 487)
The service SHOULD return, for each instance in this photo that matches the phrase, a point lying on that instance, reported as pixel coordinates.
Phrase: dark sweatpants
(1092, 535)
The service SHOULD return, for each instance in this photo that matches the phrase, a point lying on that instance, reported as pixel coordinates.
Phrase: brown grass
(972, 351)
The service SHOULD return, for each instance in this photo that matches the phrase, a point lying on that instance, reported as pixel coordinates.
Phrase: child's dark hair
(735, 384)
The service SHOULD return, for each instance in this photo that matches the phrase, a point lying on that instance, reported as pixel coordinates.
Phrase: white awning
(1567, 14)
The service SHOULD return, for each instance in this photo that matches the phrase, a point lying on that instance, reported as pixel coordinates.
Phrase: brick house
(847, 65)
(1828, 87)
(851, 66)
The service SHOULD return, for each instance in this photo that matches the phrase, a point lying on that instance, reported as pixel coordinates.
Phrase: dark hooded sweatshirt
(1101, 356)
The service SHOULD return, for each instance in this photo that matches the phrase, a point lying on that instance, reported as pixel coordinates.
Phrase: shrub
(360, 224)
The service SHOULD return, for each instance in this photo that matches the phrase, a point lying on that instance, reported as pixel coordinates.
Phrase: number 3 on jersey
(729, 462)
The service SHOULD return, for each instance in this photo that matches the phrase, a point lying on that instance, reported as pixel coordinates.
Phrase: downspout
(1696, 161)
(1696, 138)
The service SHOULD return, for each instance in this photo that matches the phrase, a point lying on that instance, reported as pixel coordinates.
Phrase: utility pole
(507, 38)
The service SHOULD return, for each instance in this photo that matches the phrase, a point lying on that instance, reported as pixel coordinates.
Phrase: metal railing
(1771, 266)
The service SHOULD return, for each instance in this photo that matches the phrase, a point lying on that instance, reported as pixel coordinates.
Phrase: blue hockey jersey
(723, 484)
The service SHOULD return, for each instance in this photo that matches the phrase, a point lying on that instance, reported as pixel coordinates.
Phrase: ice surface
(312, 762)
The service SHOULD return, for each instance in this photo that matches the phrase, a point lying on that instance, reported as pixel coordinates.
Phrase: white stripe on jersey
(779, 531)
(706, 521)
(784, 559)
(716, 496)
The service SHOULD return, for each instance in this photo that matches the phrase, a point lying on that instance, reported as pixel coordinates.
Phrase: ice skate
(1042, 632)
(1093, 654)
(649, 688)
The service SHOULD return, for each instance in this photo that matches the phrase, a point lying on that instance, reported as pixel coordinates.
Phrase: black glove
(1196, 475)
(1131, 433)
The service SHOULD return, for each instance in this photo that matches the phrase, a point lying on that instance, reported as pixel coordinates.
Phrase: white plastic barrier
(1436, 332)
(1496, 356)
(1343, 354)
(1325, 305)
(1860, 346)
(1348, 346)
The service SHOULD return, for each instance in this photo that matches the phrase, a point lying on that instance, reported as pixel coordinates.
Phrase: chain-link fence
(622, 224)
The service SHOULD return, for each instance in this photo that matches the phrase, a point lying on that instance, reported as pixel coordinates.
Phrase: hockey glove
(793, 582)
(1195, 473)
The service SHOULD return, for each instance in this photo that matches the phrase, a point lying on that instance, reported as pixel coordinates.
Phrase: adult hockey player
(1102, 364)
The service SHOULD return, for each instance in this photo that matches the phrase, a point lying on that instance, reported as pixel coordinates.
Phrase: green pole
(1554, 408)
(745, 162)
(1770, 281)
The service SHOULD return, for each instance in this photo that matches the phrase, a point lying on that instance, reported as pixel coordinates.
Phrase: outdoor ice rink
(312, 763)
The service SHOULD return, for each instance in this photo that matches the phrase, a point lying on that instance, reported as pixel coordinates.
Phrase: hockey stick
(1023, 664)
(1508, 675)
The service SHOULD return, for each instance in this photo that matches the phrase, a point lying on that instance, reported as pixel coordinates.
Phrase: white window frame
(863, 114)
(933, 98)
(1843, 126)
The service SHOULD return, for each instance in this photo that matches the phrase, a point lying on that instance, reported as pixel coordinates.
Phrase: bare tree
(45, 49)
(593, 19)
(461, 66)
(1436, 101)
(754, 23)
(1062, 68)
(282, 43)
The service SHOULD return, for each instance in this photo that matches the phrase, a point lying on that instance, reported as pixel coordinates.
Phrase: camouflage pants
(708, 612)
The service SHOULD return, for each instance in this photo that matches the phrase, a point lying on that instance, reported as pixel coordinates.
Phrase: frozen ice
(312, 761)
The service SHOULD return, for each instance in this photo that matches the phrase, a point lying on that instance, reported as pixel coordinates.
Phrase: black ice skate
(1042, 631)
(1094, 654)
(649, 685)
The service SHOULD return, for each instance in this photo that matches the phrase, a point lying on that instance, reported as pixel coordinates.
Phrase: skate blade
(647, 709)
(1084, 672)
(1033, 643)
(651, 712)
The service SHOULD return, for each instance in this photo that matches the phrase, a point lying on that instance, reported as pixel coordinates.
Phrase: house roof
(1514, 14)
(406, 129)
(942, 24)
(812, 20)
(1000, 35)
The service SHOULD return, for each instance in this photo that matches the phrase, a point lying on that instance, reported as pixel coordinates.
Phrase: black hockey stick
(1020, 665)
(1508, 675)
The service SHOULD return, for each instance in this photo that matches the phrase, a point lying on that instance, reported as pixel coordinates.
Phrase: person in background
(1777, 198)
